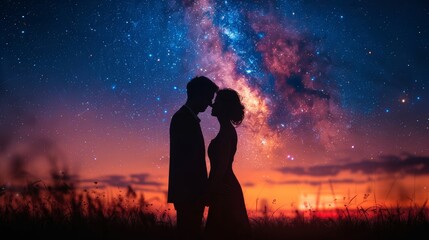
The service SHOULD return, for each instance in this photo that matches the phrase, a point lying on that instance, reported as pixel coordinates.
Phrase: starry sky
(336, 92)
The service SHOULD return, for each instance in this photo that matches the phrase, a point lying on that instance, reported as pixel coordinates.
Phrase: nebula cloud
(282, 77)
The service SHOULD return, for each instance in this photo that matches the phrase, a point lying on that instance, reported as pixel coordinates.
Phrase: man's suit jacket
(187, 171)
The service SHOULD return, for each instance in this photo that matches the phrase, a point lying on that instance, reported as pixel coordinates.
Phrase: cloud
(123, 181)
(315, 182)
(142, 179)
(248, 184)
(389, 164)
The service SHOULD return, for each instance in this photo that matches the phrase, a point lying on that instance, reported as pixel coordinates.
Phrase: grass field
(60, 211)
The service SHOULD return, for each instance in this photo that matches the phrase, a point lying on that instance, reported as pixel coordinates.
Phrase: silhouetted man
(188, 173)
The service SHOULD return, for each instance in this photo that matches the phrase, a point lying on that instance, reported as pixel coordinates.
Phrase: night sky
(325, 84)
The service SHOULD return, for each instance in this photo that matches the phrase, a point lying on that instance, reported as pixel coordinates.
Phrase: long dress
(227, 215)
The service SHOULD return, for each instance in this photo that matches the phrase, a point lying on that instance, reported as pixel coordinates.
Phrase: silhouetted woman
(227, 216)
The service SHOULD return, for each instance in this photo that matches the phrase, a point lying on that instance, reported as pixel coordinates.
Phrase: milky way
(274, 67)
(320, 82)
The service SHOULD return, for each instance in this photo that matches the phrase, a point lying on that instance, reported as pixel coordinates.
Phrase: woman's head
(228, 105)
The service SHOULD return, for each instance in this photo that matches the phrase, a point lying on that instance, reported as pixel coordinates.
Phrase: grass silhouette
(60, 210)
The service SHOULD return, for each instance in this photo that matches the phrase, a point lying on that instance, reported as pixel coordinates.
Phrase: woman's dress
(227, 214)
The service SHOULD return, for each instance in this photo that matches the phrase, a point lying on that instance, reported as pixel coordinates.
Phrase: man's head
(201, 91)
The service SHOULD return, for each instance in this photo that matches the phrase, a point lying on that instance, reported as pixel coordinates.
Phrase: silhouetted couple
(189, 187)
